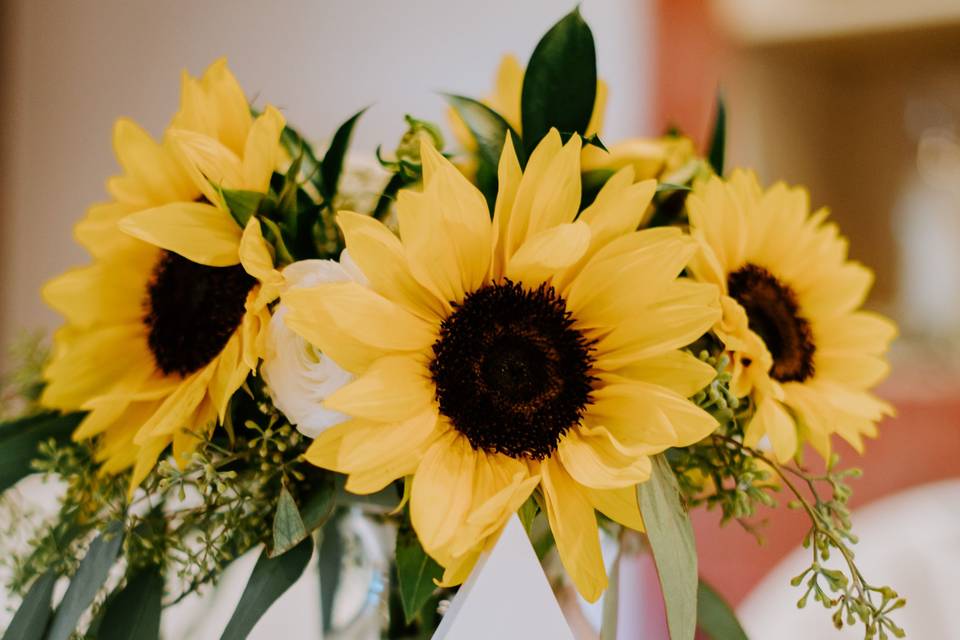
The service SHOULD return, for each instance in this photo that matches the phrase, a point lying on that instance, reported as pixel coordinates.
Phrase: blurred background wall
(71, 68)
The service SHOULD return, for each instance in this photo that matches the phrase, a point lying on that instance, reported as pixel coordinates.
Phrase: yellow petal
(776, 423)
(262, 151)
(639, 414)
(508, 181)
(353, 309)
(557, 200)
(507, 89)
(535, 177)
(574, 525)
(197, 231)
(177, 409)
(393, 388)
(211, 165)
(546, 253)
(146, 461)
(594, 459)
(152, 175)
(379, 254)
(442, 491)
(227, 101)
(599, 107)
(620, 505)
(676, 370)
(372, 444)
(257, 260)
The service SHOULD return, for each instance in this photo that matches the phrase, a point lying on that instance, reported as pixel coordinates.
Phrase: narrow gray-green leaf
(86, 582)
(330, 566)
(674, 551)
(271, 577)
(416, 572)
(715, 617)
(560, 83)
(134, 612)
(288, 527)
(611, 603)
(30, 620)
(20, 438)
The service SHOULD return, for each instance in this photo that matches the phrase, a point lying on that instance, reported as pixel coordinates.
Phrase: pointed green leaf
(332, 165)
(30, 620)
(319, 504)
(718, 141)
(490, 131)
(288, 527)
(271, 577)
(242, 204)
(674, 551)
(134, 612)
(611, 603)
(87, 581)
(20, 438)
(330, 565)
(527, 513)
(560, 84)
(416, 572)
(715, 617)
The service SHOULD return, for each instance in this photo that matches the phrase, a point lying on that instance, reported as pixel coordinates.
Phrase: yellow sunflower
(166, 323)
(802, 348)
(668, 158)
(537, 351)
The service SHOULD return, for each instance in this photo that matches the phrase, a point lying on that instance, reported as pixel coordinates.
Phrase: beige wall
(71, 67)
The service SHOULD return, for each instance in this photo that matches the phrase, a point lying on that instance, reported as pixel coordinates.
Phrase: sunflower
(802, 349)
(670, 158)
(166, 323)
(537, 352)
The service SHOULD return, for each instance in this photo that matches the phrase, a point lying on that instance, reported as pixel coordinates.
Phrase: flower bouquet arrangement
(593, 336)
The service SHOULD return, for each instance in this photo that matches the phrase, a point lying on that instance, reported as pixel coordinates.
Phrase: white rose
(298, 376)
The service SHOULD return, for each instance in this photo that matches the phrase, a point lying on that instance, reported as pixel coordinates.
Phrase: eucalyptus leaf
(87, 581)
(674, 550)
(416, 572)
(715, 617)
(242, 204)
(332, 165)
(271, 577)
(134, 612)
(30, 620)
(288, 527)
(20, 438)
(560, 83)
(718, 141)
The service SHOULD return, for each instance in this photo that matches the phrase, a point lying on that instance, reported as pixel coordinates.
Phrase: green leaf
(715, 617)
(87, 581)
(611, 603)
(134, 612)
(288, 527)
(318, 506)
(527, 512)
(416, 572)
(674, 551)
(718, 141)
(332, 164)
(20, 438)
(592, 182)
(669, 186)
(330, 565)
(242, 204)
(32, 617)
(490, 131)
(560, 84)
(271, 577)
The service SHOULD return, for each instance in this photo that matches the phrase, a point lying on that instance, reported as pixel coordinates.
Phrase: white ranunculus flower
(298, 376)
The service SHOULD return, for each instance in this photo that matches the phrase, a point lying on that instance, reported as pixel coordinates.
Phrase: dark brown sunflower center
(773, 314)
(511, 372)
(191, 311)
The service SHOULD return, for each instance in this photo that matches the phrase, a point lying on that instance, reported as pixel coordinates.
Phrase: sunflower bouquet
(596, 336)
